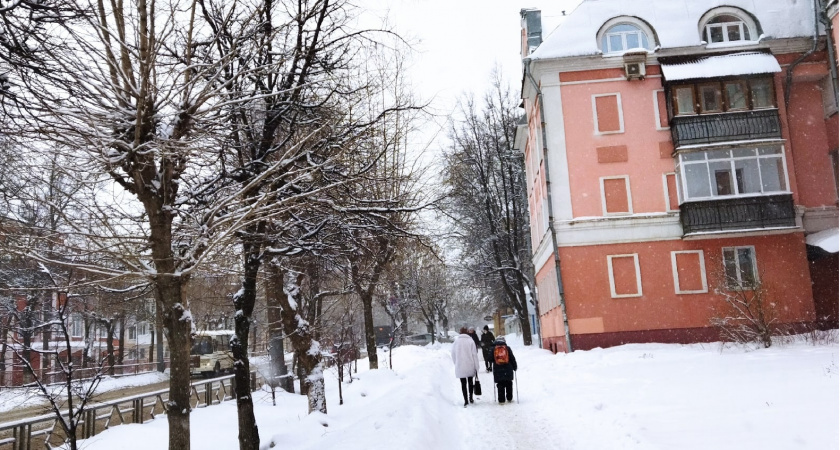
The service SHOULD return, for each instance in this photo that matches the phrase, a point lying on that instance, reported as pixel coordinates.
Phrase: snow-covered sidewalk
(651, 396)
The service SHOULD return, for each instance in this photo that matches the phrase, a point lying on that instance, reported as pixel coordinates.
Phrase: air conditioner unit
(634, 70)
(634, 65)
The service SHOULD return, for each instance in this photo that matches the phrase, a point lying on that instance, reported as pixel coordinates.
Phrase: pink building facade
(677, 152)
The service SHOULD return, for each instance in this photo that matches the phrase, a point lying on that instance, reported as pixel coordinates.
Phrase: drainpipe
(792, 66)
(527, 63)
(832, 56)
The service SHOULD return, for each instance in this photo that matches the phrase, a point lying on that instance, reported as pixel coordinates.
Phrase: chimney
(531, 30)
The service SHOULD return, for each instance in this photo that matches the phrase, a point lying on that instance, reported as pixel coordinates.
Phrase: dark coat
(475, 339)
(504, 372)
(487, 340)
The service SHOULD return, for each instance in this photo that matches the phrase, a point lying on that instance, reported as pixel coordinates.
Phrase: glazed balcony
(725, 127)
(738, 214)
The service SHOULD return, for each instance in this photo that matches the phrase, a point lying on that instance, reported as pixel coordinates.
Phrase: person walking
(471, 332)
(504, 364)
(487, 340)
(465, 357)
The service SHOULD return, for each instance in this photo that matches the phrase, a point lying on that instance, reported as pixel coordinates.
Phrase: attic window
(728, 25)
(726, 28)
(623, 37)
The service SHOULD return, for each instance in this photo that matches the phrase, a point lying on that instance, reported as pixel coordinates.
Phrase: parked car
(419, 339)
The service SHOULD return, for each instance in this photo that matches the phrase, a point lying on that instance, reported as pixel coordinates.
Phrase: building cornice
(599, 62)
(618, 230)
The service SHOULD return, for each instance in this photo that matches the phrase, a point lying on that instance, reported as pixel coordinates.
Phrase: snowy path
(639, 397)
(487, 424)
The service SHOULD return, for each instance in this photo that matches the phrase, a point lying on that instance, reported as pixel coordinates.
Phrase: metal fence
(45, 432)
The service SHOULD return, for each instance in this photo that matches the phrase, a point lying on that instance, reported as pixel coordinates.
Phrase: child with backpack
(504, 364)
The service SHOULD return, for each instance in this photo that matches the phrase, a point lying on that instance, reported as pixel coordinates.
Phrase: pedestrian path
(488, 425)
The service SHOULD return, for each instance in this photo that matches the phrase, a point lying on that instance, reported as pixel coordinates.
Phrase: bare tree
(117, 92)
(69, 402)
(748, 314)
(486, 178)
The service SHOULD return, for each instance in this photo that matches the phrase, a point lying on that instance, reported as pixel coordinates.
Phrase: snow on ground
(12, 398)
(641, 396)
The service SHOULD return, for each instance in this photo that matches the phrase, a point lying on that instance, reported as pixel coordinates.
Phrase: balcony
(731, 126)
(738, 214)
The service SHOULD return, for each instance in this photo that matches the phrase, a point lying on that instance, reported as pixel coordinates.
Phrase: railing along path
(45, 432)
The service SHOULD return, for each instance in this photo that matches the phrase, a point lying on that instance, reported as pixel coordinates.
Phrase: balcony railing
(733, 126)
(738, 214)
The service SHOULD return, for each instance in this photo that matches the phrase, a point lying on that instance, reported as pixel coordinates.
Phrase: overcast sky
(459, 42)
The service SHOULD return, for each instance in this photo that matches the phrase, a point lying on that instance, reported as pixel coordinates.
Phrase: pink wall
(782, 265)
(809, 146)
(644, 164)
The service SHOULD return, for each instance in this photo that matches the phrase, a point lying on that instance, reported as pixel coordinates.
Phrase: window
(726, 28)
(615, 195)
(735, 94)
(733, 172)
(142, 328)
(740, 267)
(76, 325)
(684, 100)
(710, 98)
(622, 37)
(720, 96)
(761, 93)
(689, 270)
(132, 333)
(608, 117)
(625, 277)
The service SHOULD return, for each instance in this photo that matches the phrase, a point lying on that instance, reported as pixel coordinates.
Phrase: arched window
(727, 24)
(622, 37)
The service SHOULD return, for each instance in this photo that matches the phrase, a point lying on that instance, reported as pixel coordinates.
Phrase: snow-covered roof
(722, 66)
(828, 240)
(675, 22)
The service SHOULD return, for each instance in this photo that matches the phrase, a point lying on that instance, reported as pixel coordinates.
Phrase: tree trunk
(4, 345)
(307, 349)
(178, 326)
(161, 363)
(109, 345)
(279, 373)
(26, 338)
(121, 351)
(243, 302)
(152, 344)
(370, 333)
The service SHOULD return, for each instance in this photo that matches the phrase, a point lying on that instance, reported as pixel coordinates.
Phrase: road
(44, 408)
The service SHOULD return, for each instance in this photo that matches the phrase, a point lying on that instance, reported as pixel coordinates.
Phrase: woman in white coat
(465, 357)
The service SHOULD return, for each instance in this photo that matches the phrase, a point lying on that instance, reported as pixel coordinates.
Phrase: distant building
(674, 150)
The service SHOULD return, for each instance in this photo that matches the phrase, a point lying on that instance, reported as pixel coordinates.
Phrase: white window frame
(675, 271)
(665, 190)
(684, 181)
(656, 115)
(746, 21)
(642, 28)
(620, 113)
(740, 286)
(77, 325)
(635, 257)
(626, 179)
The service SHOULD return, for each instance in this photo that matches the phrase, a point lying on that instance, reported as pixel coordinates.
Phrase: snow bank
(644, 397)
